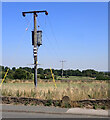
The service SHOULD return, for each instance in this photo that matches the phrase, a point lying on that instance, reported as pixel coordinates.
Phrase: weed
(103, 107)
(9, 93)
(57, 103)
(90, 96)
(33, 93)
(48, 103)
(67, 105)
(17, 93)
(35, 104)
(95, 106)
(4, 92)
(26, 103)
(32, 104)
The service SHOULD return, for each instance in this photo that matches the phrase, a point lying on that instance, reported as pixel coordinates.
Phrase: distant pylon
(62, 61)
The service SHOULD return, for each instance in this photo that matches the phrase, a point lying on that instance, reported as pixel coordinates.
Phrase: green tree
(27, 69)
(22, 74)
(90, 73)
(40, 71)
(13, 68)
(47, 71)
(10, 74)
(6, 69)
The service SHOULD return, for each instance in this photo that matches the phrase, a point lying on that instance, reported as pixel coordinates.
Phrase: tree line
(27, 73)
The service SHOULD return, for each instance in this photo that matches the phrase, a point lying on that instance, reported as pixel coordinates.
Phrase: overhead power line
(49, 41)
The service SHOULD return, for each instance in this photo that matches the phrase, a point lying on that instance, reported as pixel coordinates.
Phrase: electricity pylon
(62, 61)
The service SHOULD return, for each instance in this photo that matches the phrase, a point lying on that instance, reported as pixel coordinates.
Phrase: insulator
(46, 13)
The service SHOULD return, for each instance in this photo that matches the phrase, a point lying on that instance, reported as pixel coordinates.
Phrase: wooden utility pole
(35, 42)
(62, 66)
(35, 50)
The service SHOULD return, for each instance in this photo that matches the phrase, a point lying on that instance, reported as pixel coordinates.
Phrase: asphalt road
(42, 115)
(13, 111)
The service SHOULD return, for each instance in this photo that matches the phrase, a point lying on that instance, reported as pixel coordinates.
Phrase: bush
(55, 77)
(48, 76)
(102, 77)
(42, 76)
(67, 76)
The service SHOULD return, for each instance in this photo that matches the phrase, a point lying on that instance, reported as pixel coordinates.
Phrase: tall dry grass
(46, 90)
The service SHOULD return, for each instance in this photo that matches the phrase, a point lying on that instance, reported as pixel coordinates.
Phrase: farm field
(76, 78)
(45, 90)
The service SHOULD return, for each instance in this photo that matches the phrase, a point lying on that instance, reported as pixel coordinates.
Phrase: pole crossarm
(62, 61)
(24, 13)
